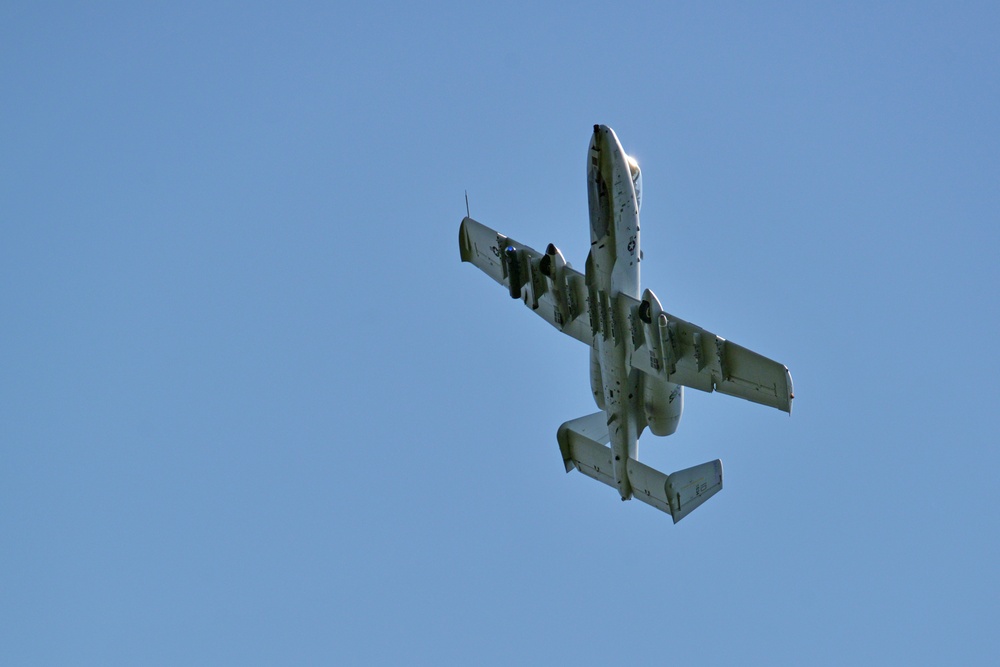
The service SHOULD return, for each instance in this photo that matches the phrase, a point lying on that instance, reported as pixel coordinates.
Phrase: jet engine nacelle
(663, 403)
(636, 173)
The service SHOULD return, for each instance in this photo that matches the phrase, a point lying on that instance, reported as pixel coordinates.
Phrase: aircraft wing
(683, 353)
(661, 344)
(544, 281)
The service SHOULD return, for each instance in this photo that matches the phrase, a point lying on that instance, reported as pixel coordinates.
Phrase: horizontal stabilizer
(648, 485)
(582, 442)
(678, 494)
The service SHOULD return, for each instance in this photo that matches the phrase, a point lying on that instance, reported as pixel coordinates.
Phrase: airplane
(641, 357)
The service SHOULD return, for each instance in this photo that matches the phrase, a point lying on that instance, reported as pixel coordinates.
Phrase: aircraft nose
(604, 138)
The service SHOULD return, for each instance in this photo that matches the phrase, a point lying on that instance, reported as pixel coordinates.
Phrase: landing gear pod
(552, 262)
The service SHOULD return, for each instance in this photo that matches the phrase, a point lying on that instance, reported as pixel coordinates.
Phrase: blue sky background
(253, 409)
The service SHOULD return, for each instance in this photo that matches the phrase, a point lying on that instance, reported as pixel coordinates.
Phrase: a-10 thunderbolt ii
(641, 357)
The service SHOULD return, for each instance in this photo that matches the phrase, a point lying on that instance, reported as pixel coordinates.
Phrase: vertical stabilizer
(688, 489)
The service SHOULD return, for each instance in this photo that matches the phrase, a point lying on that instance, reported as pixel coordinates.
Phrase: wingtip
(464, 245)
(791, 390)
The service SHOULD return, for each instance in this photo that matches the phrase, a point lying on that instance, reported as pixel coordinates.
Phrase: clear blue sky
(253, 409)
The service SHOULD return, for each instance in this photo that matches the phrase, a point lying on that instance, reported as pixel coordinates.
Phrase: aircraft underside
(641, 357)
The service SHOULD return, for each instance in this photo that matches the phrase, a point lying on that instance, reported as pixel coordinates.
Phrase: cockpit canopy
(633, 168)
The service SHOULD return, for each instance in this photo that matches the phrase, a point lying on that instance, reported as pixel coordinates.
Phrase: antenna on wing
(467, 214)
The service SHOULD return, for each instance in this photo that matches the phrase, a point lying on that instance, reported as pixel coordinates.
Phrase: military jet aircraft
(641, 357)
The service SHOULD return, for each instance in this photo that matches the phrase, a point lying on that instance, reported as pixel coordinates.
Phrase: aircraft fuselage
(613, 269)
